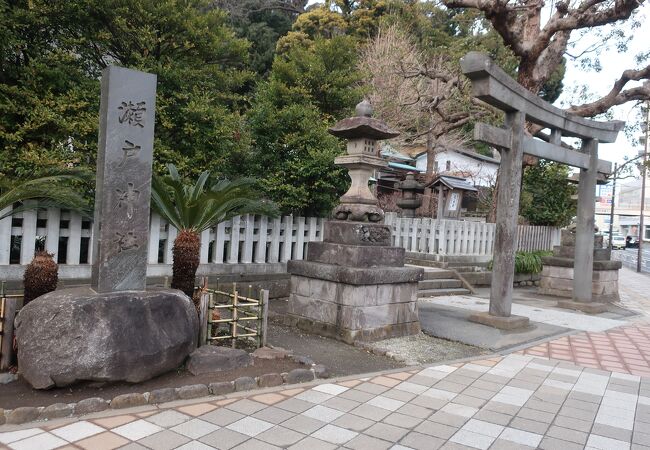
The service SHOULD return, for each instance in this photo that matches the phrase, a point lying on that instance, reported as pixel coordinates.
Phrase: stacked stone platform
(354, 286)
(557, 273)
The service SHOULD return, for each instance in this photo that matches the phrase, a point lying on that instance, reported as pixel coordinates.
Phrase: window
(448, 166)
(647, 232)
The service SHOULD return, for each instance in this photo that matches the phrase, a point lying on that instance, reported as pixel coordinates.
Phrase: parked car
(618, 242)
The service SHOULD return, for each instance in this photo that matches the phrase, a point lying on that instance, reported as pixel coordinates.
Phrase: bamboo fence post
(265, 315)
(235, 315)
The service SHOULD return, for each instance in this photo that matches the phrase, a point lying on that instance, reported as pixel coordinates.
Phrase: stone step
(442, 283)
(423, 262)
(439, 292)
(438, 275)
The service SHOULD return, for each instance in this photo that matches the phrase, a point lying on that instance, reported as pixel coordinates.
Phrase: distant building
(627, 206)
(472, 168)
(480, 170)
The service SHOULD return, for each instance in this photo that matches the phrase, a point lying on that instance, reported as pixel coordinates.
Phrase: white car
(618, 242)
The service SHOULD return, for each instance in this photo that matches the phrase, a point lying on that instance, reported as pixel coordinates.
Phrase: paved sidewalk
(500, 403)
(624, 349)
(634, 290)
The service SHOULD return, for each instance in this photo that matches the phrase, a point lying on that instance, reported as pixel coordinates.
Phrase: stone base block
(356, 233)
(354, 275)
(568, 262)
(352, 336)
(589, 308)
(340, 308)
(558, 281)
(511, 322)
(355, 255)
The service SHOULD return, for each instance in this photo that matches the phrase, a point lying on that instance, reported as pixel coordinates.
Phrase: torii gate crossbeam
(493, 86)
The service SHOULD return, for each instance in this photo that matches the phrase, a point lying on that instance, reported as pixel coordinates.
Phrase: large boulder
(76, 334)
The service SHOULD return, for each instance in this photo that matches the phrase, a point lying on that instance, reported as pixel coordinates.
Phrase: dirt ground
(19, 393)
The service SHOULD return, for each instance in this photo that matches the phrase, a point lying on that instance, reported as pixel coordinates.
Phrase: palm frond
(204, 204)
(54, 189)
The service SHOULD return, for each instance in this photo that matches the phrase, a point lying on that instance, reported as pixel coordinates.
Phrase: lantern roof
(363, 125)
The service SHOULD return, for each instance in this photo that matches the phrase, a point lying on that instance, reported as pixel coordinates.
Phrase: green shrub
(528, 262)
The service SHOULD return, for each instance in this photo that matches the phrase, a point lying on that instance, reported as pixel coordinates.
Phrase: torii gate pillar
(492, 85)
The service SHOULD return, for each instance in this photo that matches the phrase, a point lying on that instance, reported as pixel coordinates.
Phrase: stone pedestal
(557, 276)
(354, 286)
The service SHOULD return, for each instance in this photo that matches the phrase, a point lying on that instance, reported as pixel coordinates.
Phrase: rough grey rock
(128, 400)
(212, 358)
(75, 334)
(270, 380)
(320, 371)
(271, 353)
(222, 388)
(299, 376)
(304, 360)
(8, 377)
(245, 384)
(90, 405)
(192, 391)
(162, 395)
(22, 415)
(56, 411)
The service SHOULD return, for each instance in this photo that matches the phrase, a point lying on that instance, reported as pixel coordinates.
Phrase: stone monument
(116, 331)
(557, 275)
(123, 192)
(353, 285)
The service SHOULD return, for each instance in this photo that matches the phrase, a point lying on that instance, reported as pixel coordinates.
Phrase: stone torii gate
(493, 86)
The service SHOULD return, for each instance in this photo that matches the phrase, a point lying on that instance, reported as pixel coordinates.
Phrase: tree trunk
(187, 247)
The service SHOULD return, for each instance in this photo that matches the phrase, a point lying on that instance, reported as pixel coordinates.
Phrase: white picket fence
(244, 239)
(453, 237)
(249, 239)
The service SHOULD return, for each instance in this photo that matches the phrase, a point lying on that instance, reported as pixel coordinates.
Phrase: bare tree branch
(618, 96)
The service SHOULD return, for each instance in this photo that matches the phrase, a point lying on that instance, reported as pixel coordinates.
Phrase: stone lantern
(362, 133)
(409, 202)
(353, 285)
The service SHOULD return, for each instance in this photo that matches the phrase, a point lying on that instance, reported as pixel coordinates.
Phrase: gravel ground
(425, 349)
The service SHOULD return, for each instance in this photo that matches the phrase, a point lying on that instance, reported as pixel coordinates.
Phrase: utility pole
(639, 257)
(611, 212)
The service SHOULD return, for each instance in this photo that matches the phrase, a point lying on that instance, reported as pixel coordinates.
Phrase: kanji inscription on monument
(123, 192)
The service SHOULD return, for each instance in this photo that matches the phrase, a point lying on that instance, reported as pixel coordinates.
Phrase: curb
(25, 414)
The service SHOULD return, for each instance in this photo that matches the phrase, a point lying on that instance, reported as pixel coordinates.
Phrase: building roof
(396, 165)
(469, 153)
(453, 183)
(387, 151)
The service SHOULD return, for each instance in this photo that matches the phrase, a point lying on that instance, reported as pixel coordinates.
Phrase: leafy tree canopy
(308, 89)
(52, 56)
(546, 197)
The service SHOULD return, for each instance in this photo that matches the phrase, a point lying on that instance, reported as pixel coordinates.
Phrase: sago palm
(193, 208)
(54, 189)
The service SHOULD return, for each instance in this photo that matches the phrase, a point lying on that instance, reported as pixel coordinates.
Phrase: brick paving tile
(625, 349)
